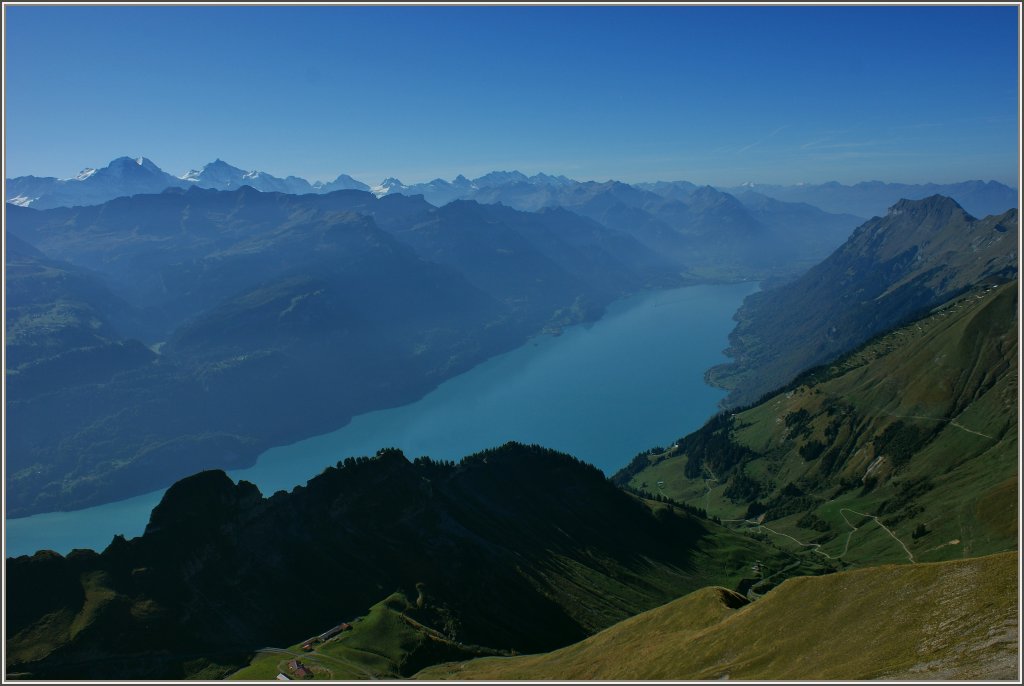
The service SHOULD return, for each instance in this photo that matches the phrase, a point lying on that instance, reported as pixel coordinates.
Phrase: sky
(718, 95)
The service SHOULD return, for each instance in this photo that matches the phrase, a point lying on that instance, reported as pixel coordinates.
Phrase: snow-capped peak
(388, 185)
(85, 173)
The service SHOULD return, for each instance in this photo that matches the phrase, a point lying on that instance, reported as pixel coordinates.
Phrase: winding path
(707, 486)
(816, 547)
(910, 556)
(948, 420)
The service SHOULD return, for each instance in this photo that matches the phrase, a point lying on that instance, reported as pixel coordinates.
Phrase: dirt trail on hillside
(948, 420)
(817, 546)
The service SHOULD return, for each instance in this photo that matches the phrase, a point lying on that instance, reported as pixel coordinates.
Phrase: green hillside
(947, 620)
(904, 450)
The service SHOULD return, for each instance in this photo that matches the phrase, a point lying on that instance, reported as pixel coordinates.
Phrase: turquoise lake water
(602, 392)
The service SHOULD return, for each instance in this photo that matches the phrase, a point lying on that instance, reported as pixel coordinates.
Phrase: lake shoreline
(563, 360)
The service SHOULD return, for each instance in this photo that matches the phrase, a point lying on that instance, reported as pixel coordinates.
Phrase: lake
(602, 392)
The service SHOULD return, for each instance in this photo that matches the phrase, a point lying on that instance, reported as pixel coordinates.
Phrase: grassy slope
(949, 620)
(952, 377)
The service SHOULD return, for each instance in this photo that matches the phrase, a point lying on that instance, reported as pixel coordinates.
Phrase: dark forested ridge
(517, 548)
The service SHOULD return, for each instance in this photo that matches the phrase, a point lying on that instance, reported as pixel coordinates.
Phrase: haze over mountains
(344, 300)
(873, 198)
(252, 279)
(130, 176)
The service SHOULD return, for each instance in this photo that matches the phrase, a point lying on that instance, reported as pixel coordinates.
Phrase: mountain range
(130, 176)
(827, 524)
(808, 219)
(172, 312)
(157, 336)
(192, 319)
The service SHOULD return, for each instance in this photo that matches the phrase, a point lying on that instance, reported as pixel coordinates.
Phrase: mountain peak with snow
(388, 185)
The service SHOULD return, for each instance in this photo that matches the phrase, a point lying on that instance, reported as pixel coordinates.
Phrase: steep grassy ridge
(904, 450)
(948, 620)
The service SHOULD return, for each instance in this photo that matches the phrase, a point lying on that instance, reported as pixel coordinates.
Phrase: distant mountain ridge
(866, 199)
(123, 176)
(872, 198)
(120, 178)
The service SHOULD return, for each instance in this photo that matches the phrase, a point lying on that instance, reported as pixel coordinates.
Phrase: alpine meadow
(512, 342)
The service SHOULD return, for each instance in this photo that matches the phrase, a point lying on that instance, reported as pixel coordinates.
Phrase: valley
(601, 392)
(196, 322)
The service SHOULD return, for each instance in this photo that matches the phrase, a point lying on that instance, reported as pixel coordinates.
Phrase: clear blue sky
(716, 95)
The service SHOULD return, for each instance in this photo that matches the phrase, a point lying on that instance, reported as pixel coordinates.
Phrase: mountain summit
(123, 176)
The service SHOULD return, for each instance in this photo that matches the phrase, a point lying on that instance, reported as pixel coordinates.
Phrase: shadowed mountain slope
(522, 548)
